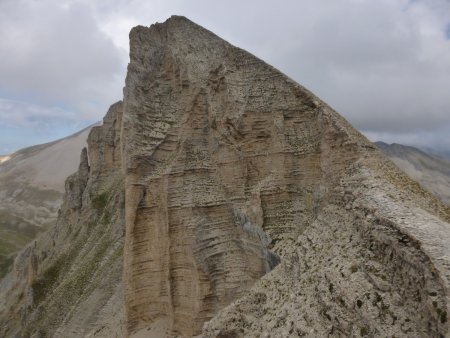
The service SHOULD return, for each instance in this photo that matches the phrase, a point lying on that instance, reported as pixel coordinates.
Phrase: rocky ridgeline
(244, 206)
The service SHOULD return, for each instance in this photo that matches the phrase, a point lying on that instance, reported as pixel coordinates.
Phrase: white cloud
(15, 114)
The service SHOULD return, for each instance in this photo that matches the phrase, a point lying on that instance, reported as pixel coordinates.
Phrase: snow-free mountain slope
(431, 171)
(31, 191)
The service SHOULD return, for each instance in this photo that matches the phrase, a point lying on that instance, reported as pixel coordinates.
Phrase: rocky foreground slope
(31, 191)
(222, 199)
(431, 171)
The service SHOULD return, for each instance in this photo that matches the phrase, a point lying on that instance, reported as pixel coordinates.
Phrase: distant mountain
(31, 190)
(430, 170)
(445, 154)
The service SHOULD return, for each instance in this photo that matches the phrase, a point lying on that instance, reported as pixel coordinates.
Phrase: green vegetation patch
(36, 196)
(99, 201)
(15, 233)
(77, 284)
(5, 265)
(47, 280)
(354, 268)
(364, 331)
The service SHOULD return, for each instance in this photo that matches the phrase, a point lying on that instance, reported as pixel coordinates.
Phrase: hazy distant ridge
(430, 170)
(31, 190)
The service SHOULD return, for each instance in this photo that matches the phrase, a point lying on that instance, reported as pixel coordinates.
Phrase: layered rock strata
(431, 171)
(250, 209)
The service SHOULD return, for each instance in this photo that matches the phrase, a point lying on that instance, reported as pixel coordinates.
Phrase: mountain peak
(238, 199)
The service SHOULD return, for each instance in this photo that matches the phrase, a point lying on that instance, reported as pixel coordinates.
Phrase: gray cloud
(54, 54)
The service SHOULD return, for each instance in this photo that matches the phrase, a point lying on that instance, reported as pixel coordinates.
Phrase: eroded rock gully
(249, 207)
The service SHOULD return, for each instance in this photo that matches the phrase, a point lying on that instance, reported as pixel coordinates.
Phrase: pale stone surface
(251, 209)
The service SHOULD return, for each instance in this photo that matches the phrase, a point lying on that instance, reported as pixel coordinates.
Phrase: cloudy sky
(384, 64)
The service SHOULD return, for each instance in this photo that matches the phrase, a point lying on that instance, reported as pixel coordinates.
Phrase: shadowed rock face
(251, 208)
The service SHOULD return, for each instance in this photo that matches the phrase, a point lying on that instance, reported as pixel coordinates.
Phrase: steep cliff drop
(250, 208)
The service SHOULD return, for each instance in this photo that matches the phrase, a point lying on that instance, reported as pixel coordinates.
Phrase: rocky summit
(222, 199)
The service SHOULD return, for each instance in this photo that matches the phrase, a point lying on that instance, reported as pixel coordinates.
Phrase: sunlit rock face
(246, 207)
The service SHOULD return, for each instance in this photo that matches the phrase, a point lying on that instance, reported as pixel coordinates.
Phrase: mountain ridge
(241, 204)
(430, 170)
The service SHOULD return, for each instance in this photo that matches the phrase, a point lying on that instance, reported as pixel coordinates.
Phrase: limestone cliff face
(210, 167)
(229, 164)
(250, 209)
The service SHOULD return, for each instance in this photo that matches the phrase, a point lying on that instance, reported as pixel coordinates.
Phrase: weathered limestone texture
(251, 209)
(230, 165)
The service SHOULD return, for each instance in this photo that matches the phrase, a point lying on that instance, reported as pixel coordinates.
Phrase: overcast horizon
(384, 65)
